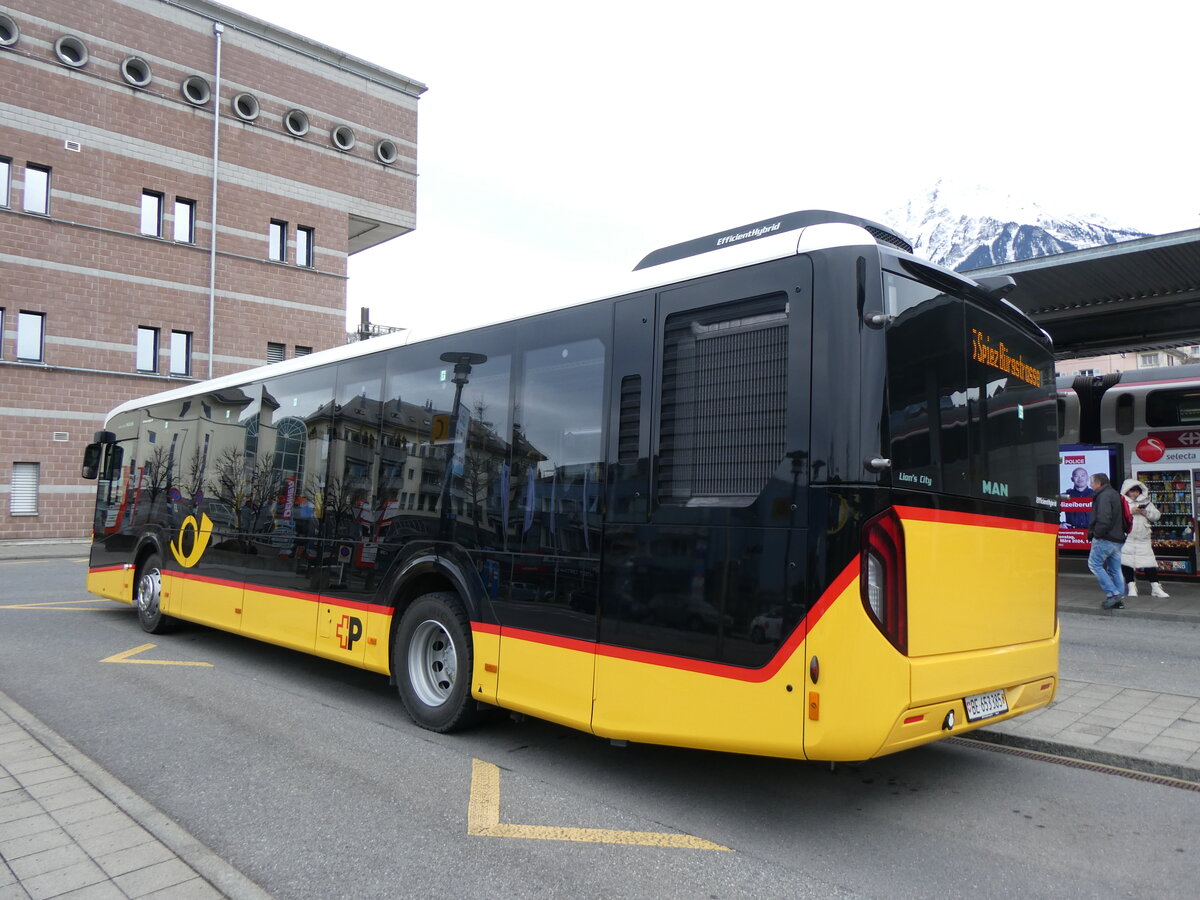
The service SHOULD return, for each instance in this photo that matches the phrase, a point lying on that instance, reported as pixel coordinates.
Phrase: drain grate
(1075, 763)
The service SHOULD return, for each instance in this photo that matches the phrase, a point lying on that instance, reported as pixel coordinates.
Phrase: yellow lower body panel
(486, 642)
(279, 619)
(863, 682)
(115, 583)
(663, 704)
(548, 680)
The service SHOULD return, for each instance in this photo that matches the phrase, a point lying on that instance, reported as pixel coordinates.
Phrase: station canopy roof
(1131, 296)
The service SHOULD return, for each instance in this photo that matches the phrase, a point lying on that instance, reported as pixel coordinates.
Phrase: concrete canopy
(1131, 296)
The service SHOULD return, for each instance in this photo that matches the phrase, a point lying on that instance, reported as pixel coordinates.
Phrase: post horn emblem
(201, 532)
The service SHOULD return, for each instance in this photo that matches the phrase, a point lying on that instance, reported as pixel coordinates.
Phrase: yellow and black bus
(795, 497)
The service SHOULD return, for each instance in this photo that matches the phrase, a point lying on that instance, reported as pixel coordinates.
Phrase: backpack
(1126, 515)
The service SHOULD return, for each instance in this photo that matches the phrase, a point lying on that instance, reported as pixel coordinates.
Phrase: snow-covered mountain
(969, 228)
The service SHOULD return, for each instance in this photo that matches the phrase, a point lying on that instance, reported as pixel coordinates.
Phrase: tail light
(882, 578)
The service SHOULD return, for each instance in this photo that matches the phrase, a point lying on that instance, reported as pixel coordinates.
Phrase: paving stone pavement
(1157, 732)
(68, 829)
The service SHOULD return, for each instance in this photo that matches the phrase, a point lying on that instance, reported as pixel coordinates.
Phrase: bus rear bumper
(920, 725)
(1026, 675)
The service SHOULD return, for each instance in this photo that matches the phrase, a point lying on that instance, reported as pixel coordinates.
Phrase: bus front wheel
(147, 597)
(432, 662)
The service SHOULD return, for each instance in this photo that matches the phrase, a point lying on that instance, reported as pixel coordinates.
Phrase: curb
(1176, 771)
(29, 551)
(1126, 613)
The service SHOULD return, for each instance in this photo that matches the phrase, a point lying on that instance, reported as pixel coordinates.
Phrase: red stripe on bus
(683, 663)
(206, 579)
(947, 517)
(120, 568)
(549, 640)
(285, 592)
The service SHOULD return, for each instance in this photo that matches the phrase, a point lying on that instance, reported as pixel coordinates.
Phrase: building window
(303, 351)
(1088, 372)
(304, 246)
(185, 221)
(147, 349)
(277, 241)
(5, 176)
(1149, 360)
(1, 332)
(152, 213)
(276, 352)
(181, 353)
(23, 493)
(30, 335)
(36, 197)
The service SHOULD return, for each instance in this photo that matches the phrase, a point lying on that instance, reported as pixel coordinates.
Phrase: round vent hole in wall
(296, 122)
(71, 51)
(10, 33)
(245, 106)
(342, 137)
(195, 90)
(386, 152)
(136, 71)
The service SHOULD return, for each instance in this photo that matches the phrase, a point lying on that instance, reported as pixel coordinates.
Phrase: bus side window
(1125, 414)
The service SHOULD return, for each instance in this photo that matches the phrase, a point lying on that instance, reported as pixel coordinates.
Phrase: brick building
(180, 188)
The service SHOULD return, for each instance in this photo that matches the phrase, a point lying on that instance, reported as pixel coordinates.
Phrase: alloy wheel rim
(148, 592)
(432, 663)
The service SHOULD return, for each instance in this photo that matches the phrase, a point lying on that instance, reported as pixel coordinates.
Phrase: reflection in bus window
(557, 439)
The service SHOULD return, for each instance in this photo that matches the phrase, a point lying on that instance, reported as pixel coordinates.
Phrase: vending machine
(1168, 463)
(1173, 490)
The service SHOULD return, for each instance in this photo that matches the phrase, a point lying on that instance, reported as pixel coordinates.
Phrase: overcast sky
(562, 141)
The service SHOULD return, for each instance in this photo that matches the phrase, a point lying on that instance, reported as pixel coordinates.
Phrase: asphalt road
(308, 777)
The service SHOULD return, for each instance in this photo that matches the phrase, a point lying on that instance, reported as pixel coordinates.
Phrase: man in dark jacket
(1106, 530)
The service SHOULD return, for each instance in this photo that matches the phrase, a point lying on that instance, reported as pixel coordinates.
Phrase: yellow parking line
(483, 820)
(58, 604)
(125, 658)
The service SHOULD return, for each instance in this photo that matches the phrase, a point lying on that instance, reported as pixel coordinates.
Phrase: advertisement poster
(1077, 463)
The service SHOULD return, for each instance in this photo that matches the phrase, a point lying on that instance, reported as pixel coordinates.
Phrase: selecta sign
(1169, 447)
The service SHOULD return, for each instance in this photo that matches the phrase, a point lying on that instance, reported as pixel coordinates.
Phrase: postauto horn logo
(201, 532)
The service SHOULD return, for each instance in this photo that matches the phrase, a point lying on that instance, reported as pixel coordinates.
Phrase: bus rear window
(971, 408)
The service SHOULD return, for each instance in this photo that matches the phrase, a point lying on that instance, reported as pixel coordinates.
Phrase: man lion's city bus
(794, 498)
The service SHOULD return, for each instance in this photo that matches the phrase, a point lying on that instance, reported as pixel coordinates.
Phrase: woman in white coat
(1137, 556)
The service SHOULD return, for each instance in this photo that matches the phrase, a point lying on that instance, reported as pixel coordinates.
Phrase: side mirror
(91, 461)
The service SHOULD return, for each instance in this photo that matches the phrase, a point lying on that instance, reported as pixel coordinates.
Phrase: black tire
(147, 597)
(432, 661)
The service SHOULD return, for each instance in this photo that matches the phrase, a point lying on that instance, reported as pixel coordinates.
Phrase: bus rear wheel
(147, 597)
(432, 661)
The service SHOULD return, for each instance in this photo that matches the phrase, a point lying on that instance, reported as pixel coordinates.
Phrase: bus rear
(950, 621)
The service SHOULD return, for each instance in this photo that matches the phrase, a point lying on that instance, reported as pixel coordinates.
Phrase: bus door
(108, 462)
(704, 555)
(548, 578)
(291, 441)
(181, 444)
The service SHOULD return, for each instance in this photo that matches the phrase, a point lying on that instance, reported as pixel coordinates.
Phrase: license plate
(984, 706)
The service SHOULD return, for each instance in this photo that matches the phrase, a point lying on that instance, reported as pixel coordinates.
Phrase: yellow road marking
(483, 820)
(57, 604)
(124, 658)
